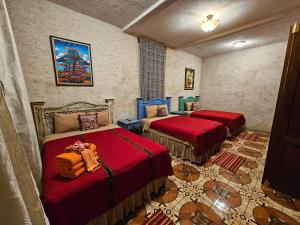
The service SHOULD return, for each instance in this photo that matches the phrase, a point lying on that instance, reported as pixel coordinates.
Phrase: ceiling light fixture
(239, 44)
(210, 24)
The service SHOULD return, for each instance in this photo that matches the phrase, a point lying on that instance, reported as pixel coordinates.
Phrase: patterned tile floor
(209, 194)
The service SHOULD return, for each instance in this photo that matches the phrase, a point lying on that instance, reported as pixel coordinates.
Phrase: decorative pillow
(151, 111)
(188, 106)
(65, 122)
(195, 106)
(88, 122)
(165, 106)
(103, 118)
(162, 112)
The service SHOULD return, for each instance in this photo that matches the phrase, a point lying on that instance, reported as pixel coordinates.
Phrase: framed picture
(72, 62)
(189, 79)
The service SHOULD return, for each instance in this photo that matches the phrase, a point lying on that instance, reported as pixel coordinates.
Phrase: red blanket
(203, 134)
(231, 120)
(134, 162)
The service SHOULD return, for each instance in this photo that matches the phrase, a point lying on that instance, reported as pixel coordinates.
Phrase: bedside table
(181, 113)
(132, 125)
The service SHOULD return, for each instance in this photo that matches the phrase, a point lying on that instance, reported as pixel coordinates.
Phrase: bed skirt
(234, 132)
(129, 204)
(180, 148)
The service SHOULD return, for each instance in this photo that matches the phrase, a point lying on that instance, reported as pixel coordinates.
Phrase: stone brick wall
(115, 57)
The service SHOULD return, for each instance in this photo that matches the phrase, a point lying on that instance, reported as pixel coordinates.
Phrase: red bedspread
(130, 158)
(231, 120)
(203, 134)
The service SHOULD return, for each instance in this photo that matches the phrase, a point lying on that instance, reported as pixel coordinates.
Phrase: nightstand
(132, 125)
(181, 113)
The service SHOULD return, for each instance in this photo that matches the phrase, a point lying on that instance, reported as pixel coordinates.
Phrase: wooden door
(282, 169)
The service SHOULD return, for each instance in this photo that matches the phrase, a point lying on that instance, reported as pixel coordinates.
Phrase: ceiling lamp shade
(210, 24)
(239, 44)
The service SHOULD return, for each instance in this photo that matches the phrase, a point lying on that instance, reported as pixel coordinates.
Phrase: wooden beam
(146, 13)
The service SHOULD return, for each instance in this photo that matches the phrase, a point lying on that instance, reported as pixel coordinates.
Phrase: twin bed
(105, 196)
(234, 122)
(189, 138)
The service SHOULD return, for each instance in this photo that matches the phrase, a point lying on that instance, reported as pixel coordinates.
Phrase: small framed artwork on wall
(189, 79)
(72, 62)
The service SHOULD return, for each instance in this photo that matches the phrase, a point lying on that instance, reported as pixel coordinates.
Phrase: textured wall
(176, 62)
(115, 57)
(245, 81)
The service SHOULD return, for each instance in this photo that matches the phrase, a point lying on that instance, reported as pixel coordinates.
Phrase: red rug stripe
(228, 161)
(158, 218)
(250, 137)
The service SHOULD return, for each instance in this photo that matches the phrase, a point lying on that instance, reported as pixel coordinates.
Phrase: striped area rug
(228, 161)
(250, 137)
(158, 218)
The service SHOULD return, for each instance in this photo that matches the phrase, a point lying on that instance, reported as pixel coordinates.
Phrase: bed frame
(182, 101)
(43, 116)
(141, 113)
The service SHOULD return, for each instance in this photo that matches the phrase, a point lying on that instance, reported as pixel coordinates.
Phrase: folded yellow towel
(92, 147)
(90, 160)
(73, 174)
(63, 168)
(69, 158)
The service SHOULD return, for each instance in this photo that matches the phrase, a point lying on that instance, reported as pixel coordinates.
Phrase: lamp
(210, 24)
(239, 44)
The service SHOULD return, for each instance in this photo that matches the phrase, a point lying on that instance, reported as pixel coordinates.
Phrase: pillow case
(88, 122)
(195, 106)
(165, 111)
(188, 106)
(65, 122)
(162, 112)
(163, 106)
(151, 111)
(103, 118)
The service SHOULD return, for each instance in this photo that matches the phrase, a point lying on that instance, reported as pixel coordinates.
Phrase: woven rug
(250, 137)
(228, 161)
(158, 218)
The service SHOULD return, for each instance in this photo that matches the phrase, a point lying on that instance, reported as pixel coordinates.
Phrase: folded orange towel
(63, 168)
(92, 147)
(90, 160)
(70, 158)
(73, 174)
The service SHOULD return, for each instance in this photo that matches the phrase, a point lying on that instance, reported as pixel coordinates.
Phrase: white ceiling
(115, 12)
(176, 23)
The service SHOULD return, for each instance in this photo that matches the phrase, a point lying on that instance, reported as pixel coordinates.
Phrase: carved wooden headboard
(43, 116)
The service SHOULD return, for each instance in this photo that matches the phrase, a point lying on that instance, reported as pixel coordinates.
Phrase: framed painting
(72, 62)
(189, 79)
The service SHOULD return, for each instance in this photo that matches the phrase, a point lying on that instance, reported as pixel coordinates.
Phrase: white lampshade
(239, 44)
(210, 24)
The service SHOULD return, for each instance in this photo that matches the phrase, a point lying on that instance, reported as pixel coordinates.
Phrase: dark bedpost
(197, 98)
(169, 103)
(181, 103)
(139, 107)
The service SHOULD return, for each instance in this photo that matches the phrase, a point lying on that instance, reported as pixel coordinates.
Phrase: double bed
(104, 196)
(189, 138)
(234, 122)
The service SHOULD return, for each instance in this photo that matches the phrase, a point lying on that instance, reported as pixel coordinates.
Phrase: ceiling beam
(150, 10)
